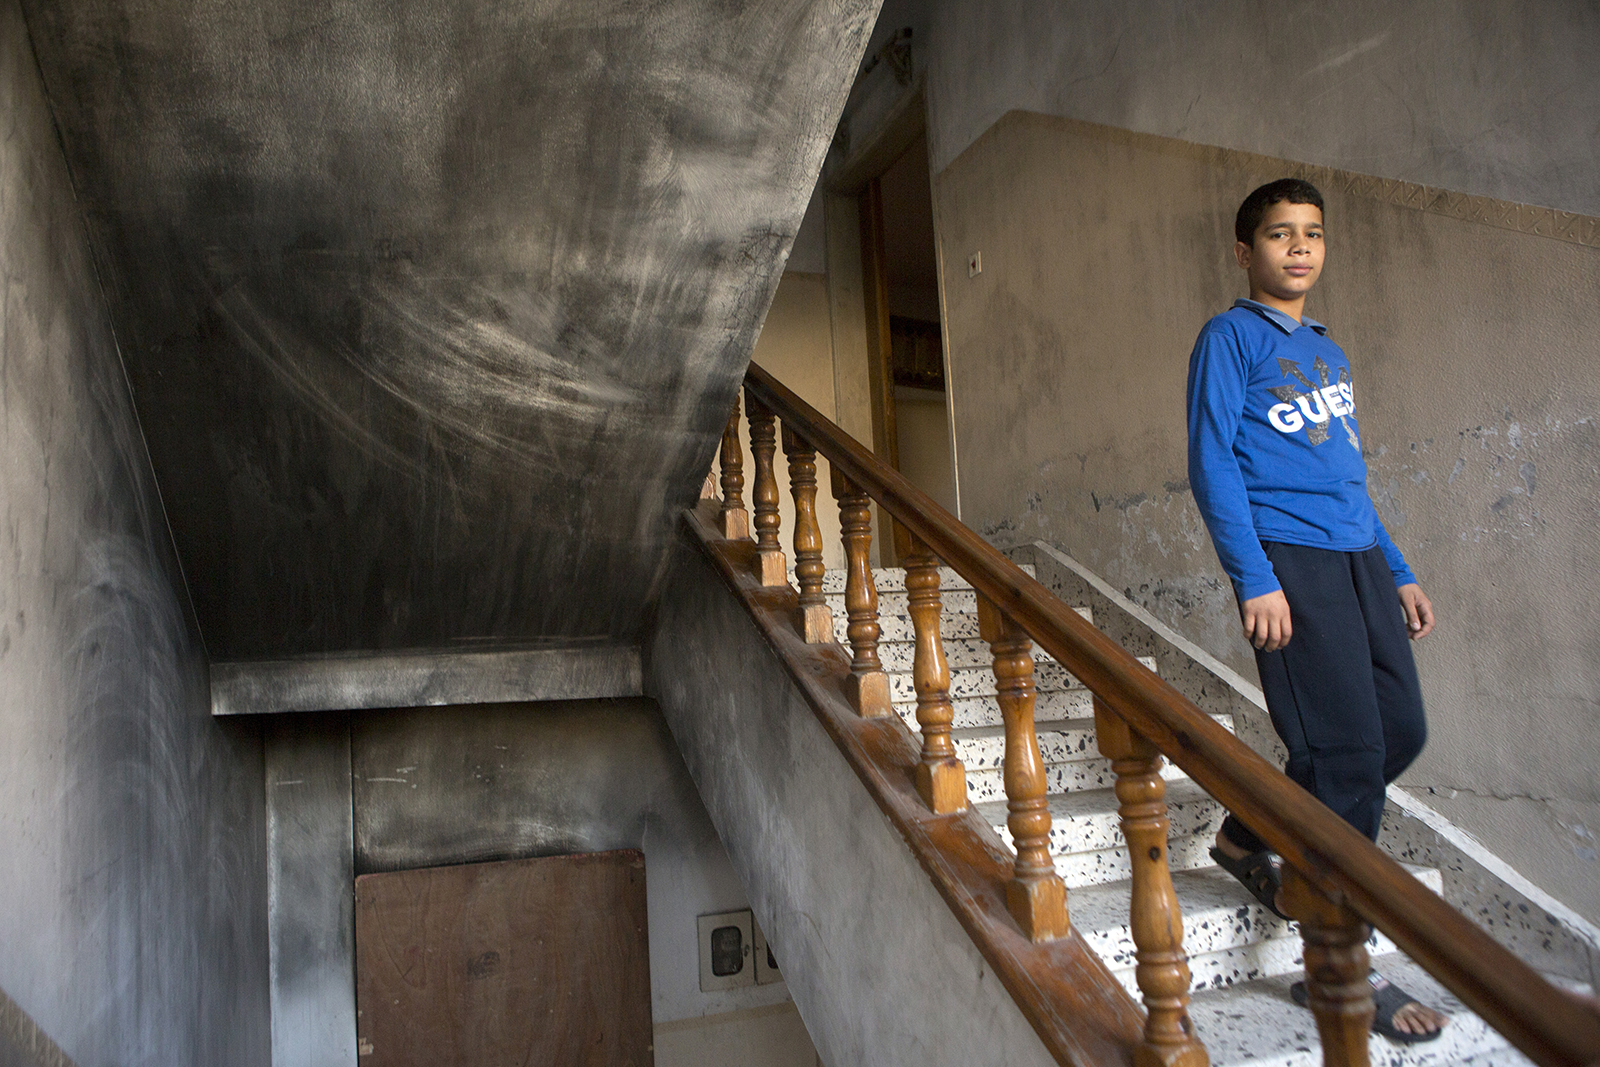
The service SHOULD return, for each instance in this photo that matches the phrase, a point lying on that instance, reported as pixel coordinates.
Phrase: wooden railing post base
(771, 569)
(1336, 970)
(869, 694)
(943, 785)
(815, 624)
(1039, 905)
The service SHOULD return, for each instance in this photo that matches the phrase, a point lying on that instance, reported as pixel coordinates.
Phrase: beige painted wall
(796, 346)
(1474, 347)
(923, 426)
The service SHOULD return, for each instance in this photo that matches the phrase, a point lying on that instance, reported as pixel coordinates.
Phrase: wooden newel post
(941, 777)
(816, 621)
(735, 520)
(1336, 969)
(770, 567)
(1156, 918)
(1036, 896)
(868, 685)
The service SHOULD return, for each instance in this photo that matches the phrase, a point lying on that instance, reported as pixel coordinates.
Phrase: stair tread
(1201, 893)
(1255, 1023)
(1229, 937)
(833, 580)
(1044, 726)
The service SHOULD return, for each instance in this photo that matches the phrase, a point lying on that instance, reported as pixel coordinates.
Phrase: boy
(1276, 467)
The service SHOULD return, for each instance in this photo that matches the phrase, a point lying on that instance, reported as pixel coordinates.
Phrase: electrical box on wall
(766, 960)
(727, 950)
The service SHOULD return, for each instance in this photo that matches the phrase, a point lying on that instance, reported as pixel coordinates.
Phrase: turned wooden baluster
(816, 621)
(941, 777)
(735, 520)
(1336, 970)
(1035, 895)
(868, 685)
(1157, 921)
(770, 567)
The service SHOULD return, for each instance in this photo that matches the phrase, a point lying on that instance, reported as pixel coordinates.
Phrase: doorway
(900, 264)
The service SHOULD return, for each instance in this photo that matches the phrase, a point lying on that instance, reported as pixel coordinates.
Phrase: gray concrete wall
(880, 968)
(132, 891)
(1491, 98)
(1471, 325)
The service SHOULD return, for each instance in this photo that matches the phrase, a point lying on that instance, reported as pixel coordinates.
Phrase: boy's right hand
(1266, 620)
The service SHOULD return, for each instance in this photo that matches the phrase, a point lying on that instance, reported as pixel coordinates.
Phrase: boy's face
(1285, 259)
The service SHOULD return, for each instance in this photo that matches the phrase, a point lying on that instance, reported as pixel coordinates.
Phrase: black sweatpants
(1343, 693)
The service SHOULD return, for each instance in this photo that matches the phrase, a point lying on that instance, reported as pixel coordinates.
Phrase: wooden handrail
(1550, 1026)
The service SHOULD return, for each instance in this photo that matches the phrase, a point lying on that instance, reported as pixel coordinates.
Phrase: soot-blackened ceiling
(434, 310)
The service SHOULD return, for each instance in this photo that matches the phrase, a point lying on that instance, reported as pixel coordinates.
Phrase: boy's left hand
(1418, 609)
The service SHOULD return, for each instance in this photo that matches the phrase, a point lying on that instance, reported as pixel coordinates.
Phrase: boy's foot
(1396, 1014)
(1256, 871)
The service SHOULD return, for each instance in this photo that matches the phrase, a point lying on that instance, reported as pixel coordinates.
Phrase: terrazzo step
(1229, 937)
(958, 652)
(1086, 833)
(1072, 758)
(967, 682)
(972, 712)
(1255, 1024)
(1048, 677)
(893, 601)
(953, 626)
(886, 578)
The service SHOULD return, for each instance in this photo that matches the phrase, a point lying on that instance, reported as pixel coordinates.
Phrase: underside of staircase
(1243, 958)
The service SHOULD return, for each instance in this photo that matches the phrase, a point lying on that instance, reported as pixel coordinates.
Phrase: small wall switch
(727, 950)
(766, 960)
(975, 264)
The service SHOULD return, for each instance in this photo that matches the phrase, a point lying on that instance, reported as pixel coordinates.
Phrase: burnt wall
(434, 311)
(133, 923)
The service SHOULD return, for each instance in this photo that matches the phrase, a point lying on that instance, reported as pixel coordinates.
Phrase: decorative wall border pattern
(1566, 226)
(20, 1032)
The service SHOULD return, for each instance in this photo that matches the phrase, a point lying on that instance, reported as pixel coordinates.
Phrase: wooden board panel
(539, 962)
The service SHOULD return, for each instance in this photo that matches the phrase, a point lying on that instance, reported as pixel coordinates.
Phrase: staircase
(1242, 957)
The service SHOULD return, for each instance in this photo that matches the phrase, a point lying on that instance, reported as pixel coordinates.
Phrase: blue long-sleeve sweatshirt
(1274, 448)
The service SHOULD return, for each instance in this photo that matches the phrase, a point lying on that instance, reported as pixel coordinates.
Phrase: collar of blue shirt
(1278, 318)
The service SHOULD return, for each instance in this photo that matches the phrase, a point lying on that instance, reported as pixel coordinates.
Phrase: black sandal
(1257, 873)
(1387, 999)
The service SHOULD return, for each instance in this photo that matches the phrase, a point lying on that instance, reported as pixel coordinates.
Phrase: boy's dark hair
(1294, 190)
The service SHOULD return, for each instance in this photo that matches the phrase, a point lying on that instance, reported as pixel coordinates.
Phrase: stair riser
(973, 653)
(1111, 865)
(988, 783)
(984, 711)
(898, 628)
(1056, 745)
(894, 578)
(979, 682)
(893, 601)
(1282, 954)
(1100, 831)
